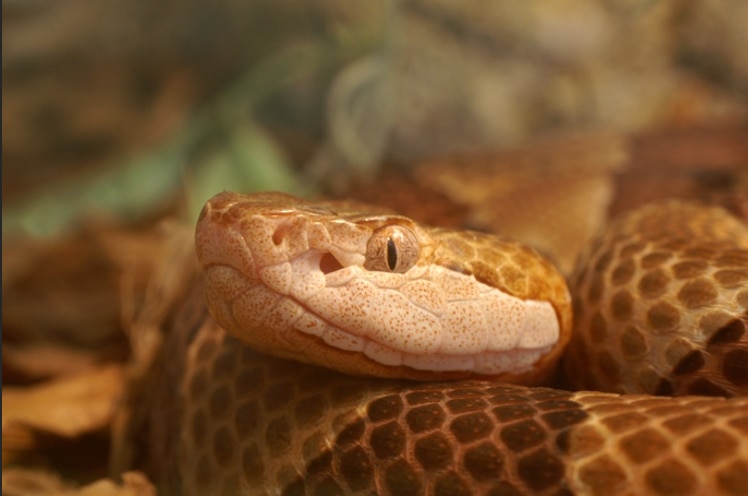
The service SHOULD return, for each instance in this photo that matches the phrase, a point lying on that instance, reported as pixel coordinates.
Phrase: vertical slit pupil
(391, 254)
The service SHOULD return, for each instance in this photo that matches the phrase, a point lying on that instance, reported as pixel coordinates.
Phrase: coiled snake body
(659, 307)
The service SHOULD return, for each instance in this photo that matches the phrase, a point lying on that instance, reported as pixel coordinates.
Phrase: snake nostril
(328, 263)
(282, 231)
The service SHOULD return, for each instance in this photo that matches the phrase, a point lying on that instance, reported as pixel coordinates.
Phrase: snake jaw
(298, 283)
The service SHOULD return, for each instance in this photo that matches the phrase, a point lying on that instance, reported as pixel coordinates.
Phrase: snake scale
(660, 307)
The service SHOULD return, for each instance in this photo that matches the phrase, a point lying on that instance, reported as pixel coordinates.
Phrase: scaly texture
(661, 304)
(233, 421)
(253, 424)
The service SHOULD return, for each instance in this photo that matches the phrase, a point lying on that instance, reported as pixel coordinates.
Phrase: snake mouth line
(516, 360)
(303, 318)
(309, 323)
(487, 363)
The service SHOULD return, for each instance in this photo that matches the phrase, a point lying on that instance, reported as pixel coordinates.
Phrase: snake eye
(391, 254)
(391, 249)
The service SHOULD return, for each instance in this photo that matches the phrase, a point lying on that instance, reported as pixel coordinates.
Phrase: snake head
(368, 292)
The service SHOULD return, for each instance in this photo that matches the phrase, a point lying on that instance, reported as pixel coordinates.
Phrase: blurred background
(118, 114)
(114, 107)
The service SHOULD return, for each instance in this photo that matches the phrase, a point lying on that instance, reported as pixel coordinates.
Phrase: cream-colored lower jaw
(514, 361)
(428, 319)
(534, 337)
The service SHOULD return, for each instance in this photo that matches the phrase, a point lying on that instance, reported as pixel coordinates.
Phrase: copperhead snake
(373, 293)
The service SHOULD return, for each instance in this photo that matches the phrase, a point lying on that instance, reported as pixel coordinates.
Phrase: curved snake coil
(238, 422)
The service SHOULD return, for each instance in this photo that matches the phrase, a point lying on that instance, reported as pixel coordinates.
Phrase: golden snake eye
(392, 249)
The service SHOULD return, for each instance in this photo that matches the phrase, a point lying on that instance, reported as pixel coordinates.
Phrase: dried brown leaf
(67, 406)
(42, 483)
(45, 361)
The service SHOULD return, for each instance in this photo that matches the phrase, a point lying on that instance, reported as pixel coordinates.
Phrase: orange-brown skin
(232, 421)
(662, 310)
(495, 261)
(255, 425)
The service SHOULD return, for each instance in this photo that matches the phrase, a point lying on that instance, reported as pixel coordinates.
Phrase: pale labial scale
(252, 306)
(306, 280)
(342, 277)
(339, 307)
(439, 362)
(426, 295)
(464, 328)
(515, 361)
(456, 286)
(541, 327)
(525, 359)
(494, 362)
(343, 340)
(283, 315)
(352, 259)
(309, 323)
(387, 280)
(506, 315)
(404, 326)
(383, 354)
(418, 272)
(395, 280)
(384, 316)
(490, 363)
(277, 277)
(226, 282)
